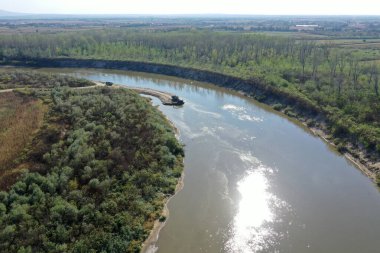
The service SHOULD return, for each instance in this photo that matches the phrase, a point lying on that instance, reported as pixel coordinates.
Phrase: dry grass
(20, 119)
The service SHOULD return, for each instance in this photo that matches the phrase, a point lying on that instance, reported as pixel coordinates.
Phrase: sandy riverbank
(164, 97)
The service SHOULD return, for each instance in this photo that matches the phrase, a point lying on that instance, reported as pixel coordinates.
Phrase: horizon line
(10, 13)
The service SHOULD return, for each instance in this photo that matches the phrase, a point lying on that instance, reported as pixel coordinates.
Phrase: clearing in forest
(20, 119)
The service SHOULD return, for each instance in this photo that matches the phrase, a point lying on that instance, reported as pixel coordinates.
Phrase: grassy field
(20, 119)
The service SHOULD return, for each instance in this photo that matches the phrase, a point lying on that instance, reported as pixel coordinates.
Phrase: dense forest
(343, 83)
(106, 162)
(22, 79)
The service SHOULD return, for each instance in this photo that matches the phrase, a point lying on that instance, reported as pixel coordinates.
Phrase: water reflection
(252, 229)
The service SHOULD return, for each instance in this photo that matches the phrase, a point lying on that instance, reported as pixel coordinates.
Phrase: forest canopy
(30, 79)
(112, 160)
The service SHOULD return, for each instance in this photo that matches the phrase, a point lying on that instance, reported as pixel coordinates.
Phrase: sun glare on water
(252, 227)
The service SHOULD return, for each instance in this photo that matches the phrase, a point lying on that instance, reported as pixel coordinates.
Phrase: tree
(373, 76)
(355, 70)
(316, 61)
(305, 50)
(376, 82)
(333, 63)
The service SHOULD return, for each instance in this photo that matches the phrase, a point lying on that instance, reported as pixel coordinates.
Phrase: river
(255, 181)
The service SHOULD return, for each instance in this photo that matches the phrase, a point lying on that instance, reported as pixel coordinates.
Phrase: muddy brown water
(255, 181)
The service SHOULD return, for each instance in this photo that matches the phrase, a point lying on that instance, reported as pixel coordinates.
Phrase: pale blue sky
(276, 7)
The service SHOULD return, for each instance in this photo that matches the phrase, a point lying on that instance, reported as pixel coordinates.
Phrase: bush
(310, 123)
(341, 148)
(278, 107)
(378, 180)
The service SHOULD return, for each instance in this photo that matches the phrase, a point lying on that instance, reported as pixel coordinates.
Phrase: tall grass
(20, 118)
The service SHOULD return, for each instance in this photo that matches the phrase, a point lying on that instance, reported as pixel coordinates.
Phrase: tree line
(33, 79)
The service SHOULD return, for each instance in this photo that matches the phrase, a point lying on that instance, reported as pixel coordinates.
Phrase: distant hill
(4, 13)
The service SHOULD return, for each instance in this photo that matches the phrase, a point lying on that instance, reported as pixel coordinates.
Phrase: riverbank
(297, 107)
(363, 167)
(149, 244)
(165, 97)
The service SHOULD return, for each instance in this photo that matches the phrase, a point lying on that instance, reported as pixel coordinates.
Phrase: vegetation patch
(20, 119)
(29, 79)
(111, 163)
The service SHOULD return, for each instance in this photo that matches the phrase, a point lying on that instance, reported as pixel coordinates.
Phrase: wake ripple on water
(201, 110)
(241, 113)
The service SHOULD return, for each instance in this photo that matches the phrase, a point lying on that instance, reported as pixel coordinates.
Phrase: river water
(255, 181)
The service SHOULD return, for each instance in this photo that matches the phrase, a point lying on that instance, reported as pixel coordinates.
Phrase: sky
(262, 7)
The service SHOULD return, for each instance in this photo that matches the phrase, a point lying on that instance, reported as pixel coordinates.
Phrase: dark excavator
(177, 101)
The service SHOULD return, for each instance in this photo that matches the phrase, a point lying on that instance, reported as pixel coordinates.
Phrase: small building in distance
(304, 27)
